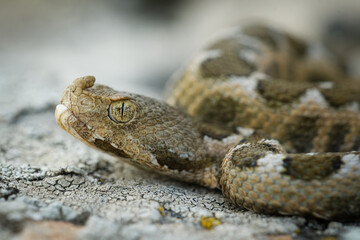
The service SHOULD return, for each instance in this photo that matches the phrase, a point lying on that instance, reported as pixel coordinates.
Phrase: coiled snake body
(259, 114)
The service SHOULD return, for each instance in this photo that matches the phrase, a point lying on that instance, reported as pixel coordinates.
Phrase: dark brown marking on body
(229, 63)
(309, 167)
(337, 136)
(221, 113)
(248, 155)
(340, 95)
(179, 161)
(168, 153)
(301, 131)
(281, 91)
(244, 157)
(215, 131)
(172, 161)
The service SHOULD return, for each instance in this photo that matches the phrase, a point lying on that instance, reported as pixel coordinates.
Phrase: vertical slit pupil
(122, 110)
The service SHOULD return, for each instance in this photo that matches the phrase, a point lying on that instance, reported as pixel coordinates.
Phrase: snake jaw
(64, 117)
(66, 120)
(64, 111)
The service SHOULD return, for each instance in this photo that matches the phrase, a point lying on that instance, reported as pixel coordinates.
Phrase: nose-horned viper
(259, 114)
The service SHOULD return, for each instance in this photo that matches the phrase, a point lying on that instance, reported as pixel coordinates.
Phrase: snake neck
(190, 154)
(215, 152)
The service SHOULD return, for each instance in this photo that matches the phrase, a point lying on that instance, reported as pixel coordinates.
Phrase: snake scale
(264, 116)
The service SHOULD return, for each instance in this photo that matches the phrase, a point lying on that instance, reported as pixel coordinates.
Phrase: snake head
(134, 127)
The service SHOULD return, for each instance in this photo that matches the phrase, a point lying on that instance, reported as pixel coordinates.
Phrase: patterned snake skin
(267, 118)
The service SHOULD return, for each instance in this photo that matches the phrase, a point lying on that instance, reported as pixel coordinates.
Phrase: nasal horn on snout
(84, 82)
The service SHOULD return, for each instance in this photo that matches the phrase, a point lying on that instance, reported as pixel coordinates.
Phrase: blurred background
(133, 45)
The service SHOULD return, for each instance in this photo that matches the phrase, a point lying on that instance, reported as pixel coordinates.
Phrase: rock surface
(54, 187)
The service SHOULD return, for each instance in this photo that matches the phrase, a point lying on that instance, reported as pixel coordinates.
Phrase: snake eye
(122, 111)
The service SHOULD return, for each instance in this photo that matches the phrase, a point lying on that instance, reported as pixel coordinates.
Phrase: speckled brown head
(141, 130)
